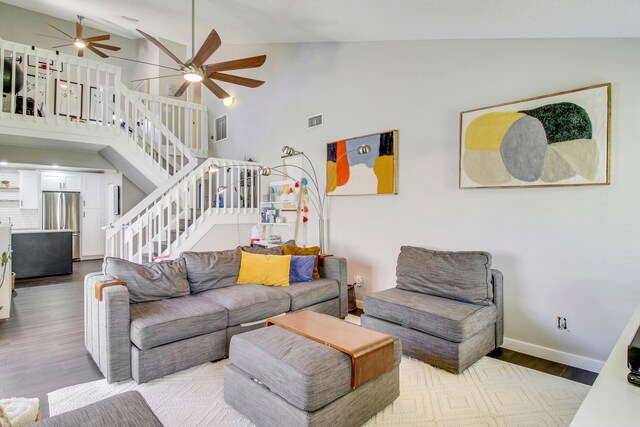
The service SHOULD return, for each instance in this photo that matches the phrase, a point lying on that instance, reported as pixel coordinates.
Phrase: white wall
(131, 195)
(571, 252)
(225, 236)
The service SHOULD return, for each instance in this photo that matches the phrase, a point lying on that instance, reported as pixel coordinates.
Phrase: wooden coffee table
(371, 352)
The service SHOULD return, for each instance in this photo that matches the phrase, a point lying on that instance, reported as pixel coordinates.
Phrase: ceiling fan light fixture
(193, 77)
(79, 44)
(228, 102)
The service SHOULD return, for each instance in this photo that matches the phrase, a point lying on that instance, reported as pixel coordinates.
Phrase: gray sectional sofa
(147, 340)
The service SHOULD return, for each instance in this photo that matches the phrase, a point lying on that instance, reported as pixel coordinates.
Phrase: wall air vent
(314, 121)
(221, 129)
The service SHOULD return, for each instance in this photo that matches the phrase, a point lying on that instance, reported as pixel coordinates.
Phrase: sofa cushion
(149, 282)
(249, 303)
(449, 319)
(305, 294)
(161, 322)
(464, 276)
(276, 250)
(125, 409)
(211, 270)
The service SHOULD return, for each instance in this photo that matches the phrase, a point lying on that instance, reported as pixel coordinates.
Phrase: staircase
(177, 215)
(155, 141)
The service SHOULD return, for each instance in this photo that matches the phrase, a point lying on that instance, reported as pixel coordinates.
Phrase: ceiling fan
(81, 43)
(193, 70)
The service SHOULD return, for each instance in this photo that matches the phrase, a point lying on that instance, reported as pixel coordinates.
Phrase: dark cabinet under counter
(41, 253)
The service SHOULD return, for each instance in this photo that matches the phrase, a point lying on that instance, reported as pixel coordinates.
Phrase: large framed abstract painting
(352, 173)
(554, 140)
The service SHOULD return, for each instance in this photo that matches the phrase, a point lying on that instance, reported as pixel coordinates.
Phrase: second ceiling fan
(81, 42)
(194, 70)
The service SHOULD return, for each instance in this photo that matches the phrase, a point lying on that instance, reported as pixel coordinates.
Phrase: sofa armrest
(107, 335)
(336, 268)
(498, 300)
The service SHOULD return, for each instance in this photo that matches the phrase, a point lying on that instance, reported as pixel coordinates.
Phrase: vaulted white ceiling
(292, 21)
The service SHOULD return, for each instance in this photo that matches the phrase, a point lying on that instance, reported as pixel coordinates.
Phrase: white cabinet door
(29, 190)
(51, 181)
(72, 182)
(91, 233)
(92, 191)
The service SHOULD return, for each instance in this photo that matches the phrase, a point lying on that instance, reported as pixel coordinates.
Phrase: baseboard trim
(569, 359)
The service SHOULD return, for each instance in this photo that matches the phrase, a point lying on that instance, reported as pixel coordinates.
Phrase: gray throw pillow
(211, 270)
(277, 250)
(149, 282)
(463, 276)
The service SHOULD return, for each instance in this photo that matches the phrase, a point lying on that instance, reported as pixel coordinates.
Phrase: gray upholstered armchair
(447, 307)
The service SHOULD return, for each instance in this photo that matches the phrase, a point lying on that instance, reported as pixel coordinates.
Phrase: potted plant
(4, 261)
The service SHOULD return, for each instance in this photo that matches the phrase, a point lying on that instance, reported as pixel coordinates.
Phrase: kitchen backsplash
(10, 212)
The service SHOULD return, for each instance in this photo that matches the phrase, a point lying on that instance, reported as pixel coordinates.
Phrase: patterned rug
(490, 393)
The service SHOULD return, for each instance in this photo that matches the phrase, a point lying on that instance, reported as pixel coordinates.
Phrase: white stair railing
(65, 96)
(59, 89)
(151, 136)
(186, 208)
(186, 120)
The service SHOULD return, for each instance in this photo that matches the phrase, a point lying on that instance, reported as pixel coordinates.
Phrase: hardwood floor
(42, 344)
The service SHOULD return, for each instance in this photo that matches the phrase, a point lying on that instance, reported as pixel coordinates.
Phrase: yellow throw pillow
(269, 270)
(313, 250)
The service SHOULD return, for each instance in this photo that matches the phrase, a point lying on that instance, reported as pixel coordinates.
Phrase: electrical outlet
(562, 323)
(358, 280)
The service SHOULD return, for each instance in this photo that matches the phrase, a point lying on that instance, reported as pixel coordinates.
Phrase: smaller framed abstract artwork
(68, 98)
(351, 173)
(554, 140)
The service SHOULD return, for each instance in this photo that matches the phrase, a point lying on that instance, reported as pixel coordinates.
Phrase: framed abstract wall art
(554, 140)
(350, 173)
(69, 97)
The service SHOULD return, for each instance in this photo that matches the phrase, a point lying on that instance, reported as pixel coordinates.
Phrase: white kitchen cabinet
(91, 234)
(51, 181)
(92, 191)
(29, 189)
(61, 181)
(72, 182)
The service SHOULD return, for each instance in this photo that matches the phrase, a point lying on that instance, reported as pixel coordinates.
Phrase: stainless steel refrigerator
(61, 211)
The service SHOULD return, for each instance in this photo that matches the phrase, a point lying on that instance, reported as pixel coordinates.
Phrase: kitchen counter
(27, 231)
(41, 252)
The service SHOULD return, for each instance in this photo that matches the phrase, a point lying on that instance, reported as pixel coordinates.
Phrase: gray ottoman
(279, 378)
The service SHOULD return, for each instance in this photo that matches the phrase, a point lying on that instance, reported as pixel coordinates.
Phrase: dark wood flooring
(42, 344)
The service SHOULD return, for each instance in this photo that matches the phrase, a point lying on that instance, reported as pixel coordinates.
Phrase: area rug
(490, 393)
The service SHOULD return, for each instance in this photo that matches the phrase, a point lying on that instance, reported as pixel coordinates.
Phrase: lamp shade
(265, 171)
(288, 151)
